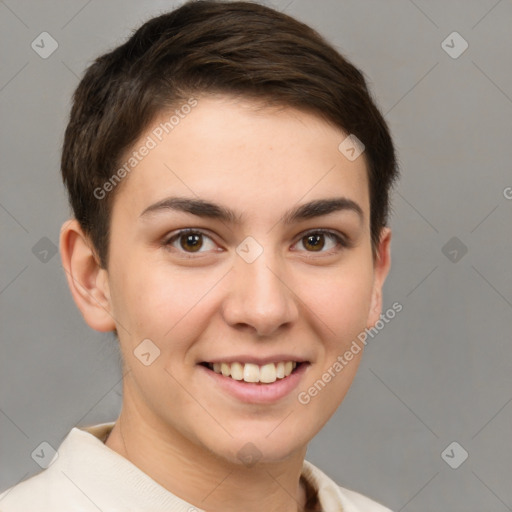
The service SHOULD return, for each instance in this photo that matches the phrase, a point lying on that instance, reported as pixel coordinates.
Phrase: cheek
(170, 308)
(343, 303)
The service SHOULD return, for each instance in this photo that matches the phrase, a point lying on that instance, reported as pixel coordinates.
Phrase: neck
(200, 477)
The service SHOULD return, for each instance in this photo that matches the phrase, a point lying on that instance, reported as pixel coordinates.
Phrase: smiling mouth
(253, 373)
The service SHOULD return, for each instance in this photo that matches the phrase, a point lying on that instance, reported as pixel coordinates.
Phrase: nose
(260, 297)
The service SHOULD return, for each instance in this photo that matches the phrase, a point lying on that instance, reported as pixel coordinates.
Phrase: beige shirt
(85, 475)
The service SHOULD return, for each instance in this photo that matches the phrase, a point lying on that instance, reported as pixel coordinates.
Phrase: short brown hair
(234, 48)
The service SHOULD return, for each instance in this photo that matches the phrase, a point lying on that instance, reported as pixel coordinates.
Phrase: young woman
(229, 176)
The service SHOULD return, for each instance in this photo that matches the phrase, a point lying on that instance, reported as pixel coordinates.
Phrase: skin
(175, 425)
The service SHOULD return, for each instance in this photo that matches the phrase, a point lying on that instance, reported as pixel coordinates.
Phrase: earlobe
(87, 281)
(381, 270)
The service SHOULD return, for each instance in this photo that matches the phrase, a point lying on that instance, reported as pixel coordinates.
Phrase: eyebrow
(206, 209)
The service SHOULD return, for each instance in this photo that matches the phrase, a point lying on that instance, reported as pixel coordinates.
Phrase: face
(274, 285)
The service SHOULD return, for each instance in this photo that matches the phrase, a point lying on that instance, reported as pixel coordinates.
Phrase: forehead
(238, 153)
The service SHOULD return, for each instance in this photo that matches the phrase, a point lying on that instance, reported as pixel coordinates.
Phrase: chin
(247, 449)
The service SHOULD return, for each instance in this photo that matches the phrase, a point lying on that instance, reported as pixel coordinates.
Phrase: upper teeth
(250, 372)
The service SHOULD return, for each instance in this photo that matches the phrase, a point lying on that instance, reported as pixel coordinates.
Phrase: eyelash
(341, 241)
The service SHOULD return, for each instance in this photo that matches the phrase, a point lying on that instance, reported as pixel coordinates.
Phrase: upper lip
(260, 361)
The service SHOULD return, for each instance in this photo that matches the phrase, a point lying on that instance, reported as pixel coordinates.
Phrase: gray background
(439, 372)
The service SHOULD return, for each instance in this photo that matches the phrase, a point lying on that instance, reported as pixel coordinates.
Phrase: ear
(381, 268)
(87, 281)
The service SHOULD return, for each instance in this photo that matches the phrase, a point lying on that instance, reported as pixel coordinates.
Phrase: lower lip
(255, 393)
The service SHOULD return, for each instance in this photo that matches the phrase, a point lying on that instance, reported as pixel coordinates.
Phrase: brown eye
(190, 241)
(315, 241)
